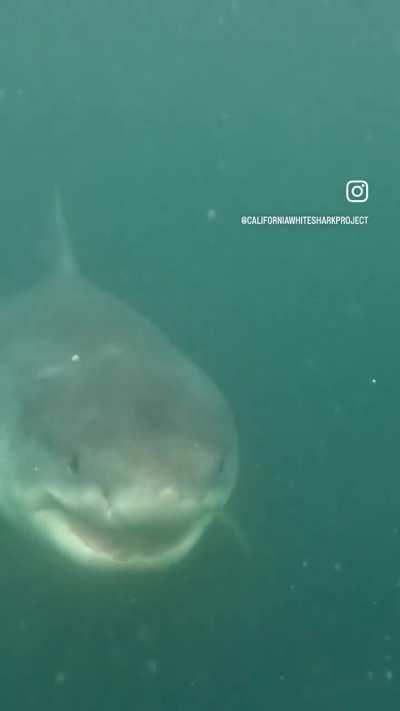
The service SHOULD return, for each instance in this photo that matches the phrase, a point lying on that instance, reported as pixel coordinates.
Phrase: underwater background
(164, 123)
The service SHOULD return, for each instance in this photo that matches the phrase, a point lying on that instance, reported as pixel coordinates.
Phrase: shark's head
(114, 447)
(119, 463)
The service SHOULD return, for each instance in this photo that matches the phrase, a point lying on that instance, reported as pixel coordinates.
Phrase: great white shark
(115, 448)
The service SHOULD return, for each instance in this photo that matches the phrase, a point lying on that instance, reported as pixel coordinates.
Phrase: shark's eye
(225, 467)
(221, 466)
(74, 463)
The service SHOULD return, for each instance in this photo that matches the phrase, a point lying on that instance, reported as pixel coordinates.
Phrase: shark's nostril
(74, 463)
(105, 492)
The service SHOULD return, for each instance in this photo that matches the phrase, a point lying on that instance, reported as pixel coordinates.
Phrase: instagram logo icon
(357, 191)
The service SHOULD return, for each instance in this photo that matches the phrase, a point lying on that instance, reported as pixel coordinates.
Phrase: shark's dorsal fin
(64, 260)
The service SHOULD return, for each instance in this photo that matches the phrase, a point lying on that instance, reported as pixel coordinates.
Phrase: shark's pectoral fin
(236, 532)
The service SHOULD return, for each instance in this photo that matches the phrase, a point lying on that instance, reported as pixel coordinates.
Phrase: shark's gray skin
(114, 447)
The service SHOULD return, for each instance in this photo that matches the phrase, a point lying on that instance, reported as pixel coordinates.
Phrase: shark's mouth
(143, 545)
(144, 539)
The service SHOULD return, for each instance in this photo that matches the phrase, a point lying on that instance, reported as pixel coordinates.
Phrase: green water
(164, 123)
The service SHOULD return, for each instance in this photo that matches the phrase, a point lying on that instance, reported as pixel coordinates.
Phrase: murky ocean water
(164, 124)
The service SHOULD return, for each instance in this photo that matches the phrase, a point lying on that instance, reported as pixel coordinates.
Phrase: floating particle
(152, 666)
(60, 678)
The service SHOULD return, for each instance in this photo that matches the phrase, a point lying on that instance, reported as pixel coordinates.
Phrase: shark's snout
(141, 533)
(110, 513)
